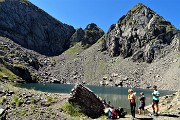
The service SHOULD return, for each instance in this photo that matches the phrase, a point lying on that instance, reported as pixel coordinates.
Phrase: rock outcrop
(33, 28)
(2, 114)
(141, 34)
(92, 34)
(89, 103)
(78, 36)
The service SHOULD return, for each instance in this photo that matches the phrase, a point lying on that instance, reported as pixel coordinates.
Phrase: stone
(89, 103)
(105, 78)
(102, 83)
(2, 114)
(114, 75)
(5, 77)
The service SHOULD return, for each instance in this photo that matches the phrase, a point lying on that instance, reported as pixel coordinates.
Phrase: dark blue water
(116, 95)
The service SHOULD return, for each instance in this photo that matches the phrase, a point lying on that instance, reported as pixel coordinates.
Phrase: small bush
(71, 109)
(33, 101)
(18, 102)
(7, 72)
(50, 99)
(24, 112)
(2, 100)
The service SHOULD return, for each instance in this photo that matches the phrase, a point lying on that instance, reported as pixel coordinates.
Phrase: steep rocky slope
(29, 36)
(33, 28)
(141, 33)
(142, 49)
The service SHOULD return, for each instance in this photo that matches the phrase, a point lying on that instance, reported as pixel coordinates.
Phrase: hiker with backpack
(132, 100)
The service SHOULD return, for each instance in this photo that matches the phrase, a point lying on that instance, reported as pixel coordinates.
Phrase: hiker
(132, 98)
(155, 101)
(142, 103)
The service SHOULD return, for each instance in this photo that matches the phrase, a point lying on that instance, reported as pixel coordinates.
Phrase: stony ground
(34, 105)
(29, 104)
(91, 66)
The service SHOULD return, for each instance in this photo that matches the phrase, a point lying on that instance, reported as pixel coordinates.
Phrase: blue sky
(104, 13)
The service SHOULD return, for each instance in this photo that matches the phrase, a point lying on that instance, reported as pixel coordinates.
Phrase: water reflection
(117, 96)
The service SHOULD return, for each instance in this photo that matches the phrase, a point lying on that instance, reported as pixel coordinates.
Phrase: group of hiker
(132, 100)
(119, 112)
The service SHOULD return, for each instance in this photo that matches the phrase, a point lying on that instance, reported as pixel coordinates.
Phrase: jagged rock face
(92, 34)
(32, 28)
(140, 34)
(89, 103)
(77, 36)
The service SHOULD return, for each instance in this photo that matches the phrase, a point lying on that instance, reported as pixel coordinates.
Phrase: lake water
(116, 95)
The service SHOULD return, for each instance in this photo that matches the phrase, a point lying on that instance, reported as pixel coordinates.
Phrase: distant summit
(88, 36)
(141, 34)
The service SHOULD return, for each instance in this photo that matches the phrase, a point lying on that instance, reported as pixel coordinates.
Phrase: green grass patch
(50, 99)
(101, 39)
(24, 112)
(153, 40)
(2, 1)
(71, 109)
(6, 72)
(33, 100)
(104, 117)
(74, 49)
(135, 8)
(18, 102)
(170, 28)
(2, 100)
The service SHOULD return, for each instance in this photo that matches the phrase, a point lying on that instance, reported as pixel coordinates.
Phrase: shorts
(141, 106)
(155, 101)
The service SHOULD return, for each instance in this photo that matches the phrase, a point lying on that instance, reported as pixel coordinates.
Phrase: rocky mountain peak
(33, 28)
(88, 36)
(92, 34)
(91, 26)
(141, 33)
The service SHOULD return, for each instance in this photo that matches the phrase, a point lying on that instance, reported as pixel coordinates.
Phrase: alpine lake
(117, 96)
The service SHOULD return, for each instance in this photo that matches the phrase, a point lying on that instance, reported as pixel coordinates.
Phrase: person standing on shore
(156, 95)
(142, 103)
(132, 98)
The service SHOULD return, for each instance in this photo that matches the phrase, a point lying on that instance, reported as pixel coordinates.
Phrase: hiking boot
(156, 114)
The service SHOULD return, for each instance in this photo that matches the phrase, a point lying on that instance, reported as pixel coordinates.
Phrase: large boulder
(2, 114)
(89, 103)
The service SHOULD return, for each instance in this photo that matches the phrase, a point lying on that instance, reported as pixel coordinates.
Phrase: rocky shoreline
(19, 103)
(30, 104)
